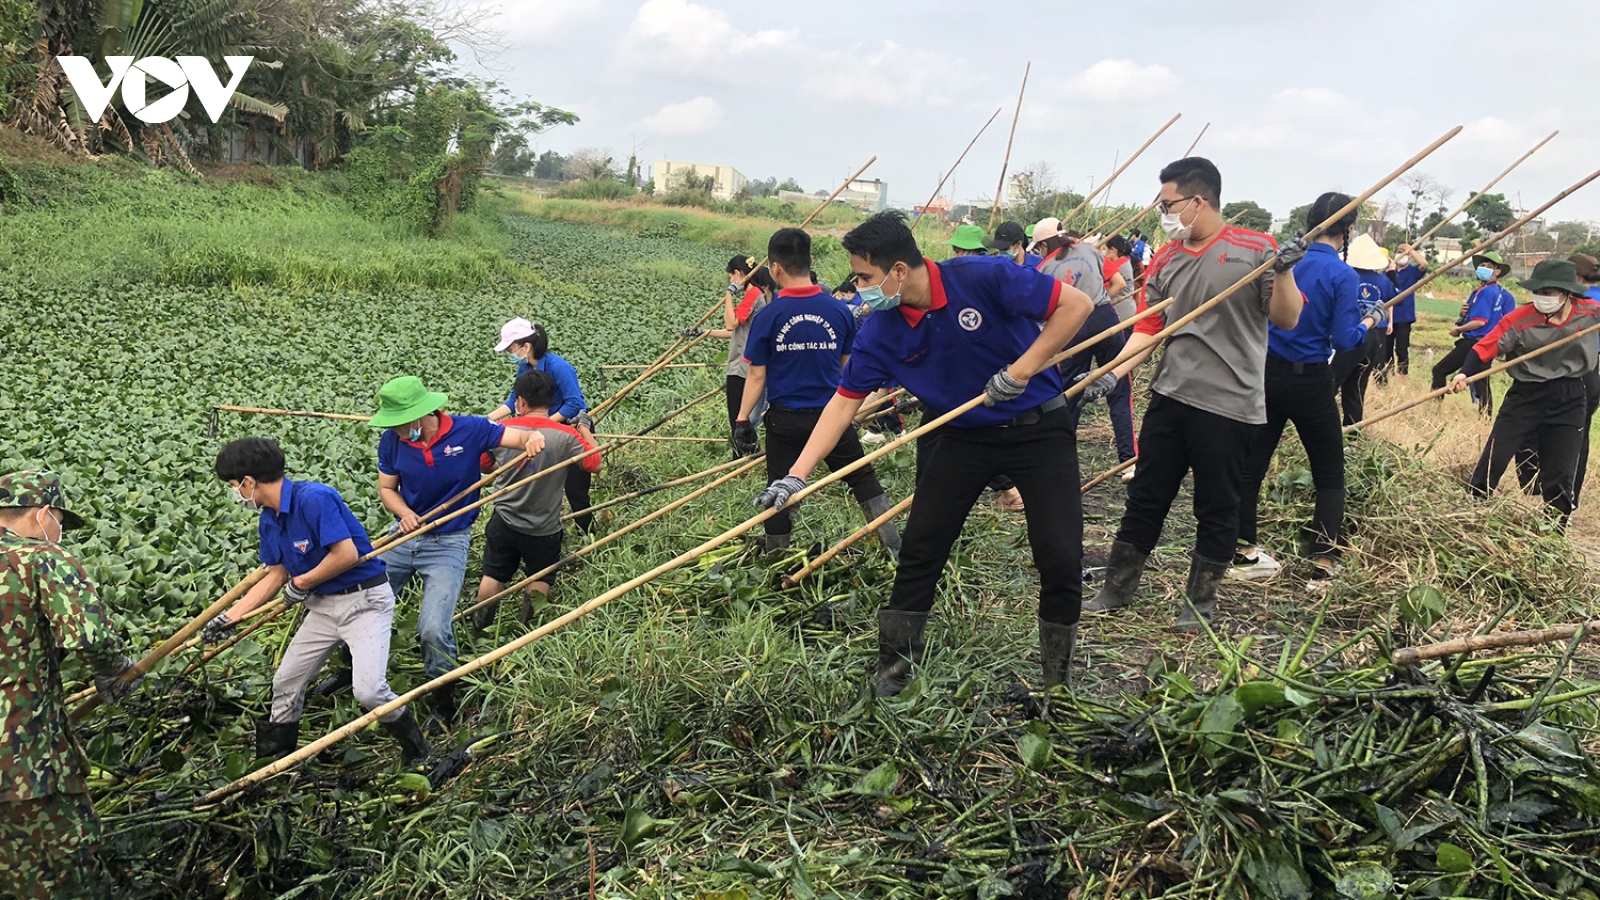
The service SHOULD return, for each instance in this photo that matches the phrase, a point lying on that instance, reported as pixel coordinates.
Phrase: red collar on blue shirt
(427, 446)
(810, 290)
(935, 288)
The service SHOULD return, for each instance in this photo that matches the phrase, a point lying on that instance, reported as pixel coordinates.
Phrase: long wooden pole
(1106, 234)
(1117, 469)
(1410, 656)
(1491, 239)
(952, 169)
(642, 492)
(596, 544)
(827, 556)
(637, 366)
(1124, 167)
(999, 191)
(675, 350)
(339, 734)
(1485, 189)
(653, 437)
(264, 411)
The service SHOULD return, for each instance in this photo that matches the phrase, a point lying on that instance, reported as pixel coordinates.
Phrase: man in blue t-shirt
(1410, 266)
(312, 546)
(529, 345)
(426, 459)
(1485, 307)
(951, 331)
(798, 345)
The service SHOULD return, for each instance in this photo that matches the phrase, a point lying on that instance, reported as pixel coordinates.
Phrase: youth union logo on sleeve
(302, 546)
(970, 319)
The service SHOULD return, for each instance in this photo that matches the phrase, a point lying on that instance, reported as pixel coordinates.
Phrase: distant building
(727, 182)
(867, 194)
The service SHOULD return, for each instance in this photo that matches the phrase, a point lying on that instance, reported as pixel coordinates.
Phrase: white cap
(1045, 229)
(1365, 253)
(515, 330)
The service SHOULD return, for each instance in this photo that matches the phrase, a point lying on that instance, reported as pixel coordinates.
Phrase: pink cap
(515, 330)
(1045, 229)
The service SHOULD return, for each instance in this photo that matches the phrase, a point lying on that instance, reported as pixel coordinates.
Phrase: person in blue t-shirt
(427, 458)
(798, 346)
(1011, 241)
(1141, 249)
(312, 545)
(1485, 307)
(941, 329)
(1410, 266)
(529, 345)
(1299, 388)
(1353, 368)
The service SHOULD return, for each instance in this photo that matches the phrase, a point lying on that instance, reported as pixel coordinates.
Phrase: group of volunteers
(317, 554)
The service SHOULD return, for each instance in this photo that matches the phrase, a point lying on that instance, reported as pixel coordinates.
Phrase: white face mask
(45, 530)
(1172, 223)
(249, 502)
(1548, 305)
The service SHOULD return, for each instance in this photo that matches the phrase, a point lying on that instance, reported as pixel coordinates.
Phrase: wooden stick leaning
(1120, 169)
(653, 437)
(1000, 189)
(799, 575)
(674, 351)
(935, 195)
(1491, 239)
(642, 492)
(1410, 656)
(1494, 370)
(1107, 233)
(635, 366)
(866, 459)
(263, 411)
(1117, 469)
(278, 609)
(596, 544)
(1471, 198)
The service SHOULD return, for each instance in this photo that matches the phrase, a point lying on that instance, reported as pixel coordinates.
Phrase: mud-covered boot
(442, 703)
(274, 739)
(900, 646)
(413, 745)
(1057, 645)
(1123, 569)
(776, 543)
(888, 533)
(1200, 594)
(483, 619)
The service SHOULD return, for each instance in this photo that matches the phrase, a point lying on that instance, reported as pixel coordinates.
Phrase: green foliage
(595, 189)
(1248, 214)
(1491, 212)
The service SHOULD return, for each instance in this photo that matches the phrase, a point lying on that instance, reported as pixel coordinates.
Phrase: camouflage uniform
(48, 829)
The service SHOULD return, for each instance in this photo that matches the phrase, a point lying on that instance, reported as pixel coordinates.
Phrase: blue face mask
(1485, 273)
(875, 298)
(414, 435)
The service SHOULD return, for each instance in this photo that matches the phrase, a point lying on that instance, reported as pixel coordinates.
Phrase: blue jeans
(441, 560)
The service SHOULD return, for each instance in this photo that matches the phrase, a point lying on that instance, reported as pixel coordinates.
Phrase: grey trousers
(362, 620)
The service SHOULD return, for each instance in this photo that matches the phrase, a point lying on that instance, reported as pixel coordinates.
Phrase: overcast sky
(1301, 98)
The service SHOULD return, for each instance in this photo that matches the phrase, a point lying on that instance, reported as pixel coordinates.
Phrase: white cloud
(887, 76)
(530, 21)
(689, 117)
(1120, 81)
(690, 39)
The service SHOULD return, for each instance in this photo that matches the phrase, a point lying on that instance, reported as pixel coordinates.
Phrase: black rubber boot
(888, 533)
(341, 678)
(483, 619)
(442, 704)
(1122, 578)
(413, 745)
(1058, 644)
(274, 740)
(1200, 594)
(777, 543)
(900, 646)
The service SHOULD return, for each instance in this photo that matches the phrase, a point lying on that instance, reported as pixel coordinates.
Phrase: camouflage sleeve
(76, 615)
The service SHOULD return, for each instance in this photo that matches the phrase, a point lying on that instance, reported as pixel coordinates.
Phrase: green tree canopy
(1491, 212)
(1247, 214)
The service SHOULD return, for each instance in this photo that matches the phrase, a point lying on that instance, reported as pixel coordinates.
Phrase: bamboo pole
(866, 459)
(635, 366)
(1410, 656)
(596, 544)
(790, 581)
(264, 411)
(634, 495)
(1107, 183)
(674, 351)
(1491, 239)
(935, 195)
(1117, 469)
(1411, 404)
(1000, 189)
(641, 437)
(276, 611)
(1485, 189)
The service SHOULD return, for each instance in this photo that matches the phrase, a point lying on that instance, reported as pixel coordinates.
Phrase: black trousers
(1299, 393)
(1527, 457)
(1551, 412)
(954, 465)
(1452, 363)
(578, 483)
(1179, 438)
(787, 433)
(1352, 369)
(1395, 350)
(1120, 401)
(735, 389)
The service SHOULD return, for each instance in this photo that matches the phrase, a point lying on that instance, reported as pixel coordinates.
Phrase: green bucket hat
(1561, 274)
(968, 237)
(403, 400)
(1493, 259)
(37, 488)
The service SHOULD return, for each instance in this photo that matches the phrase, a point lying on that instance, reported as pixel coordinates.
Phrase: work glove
(745, 441)
(1290, 252)
(777, 494)
(1376, 311)
(906, 407)
(691, 332)
(861, 310)
(217, 630)
(110, 685)
(293, 594)
(582, 420)
(1002, 387)
(1098, 388)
